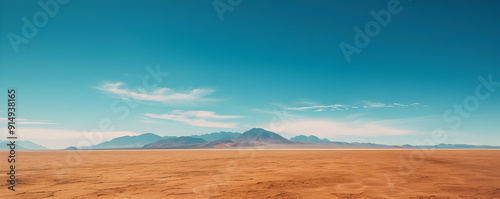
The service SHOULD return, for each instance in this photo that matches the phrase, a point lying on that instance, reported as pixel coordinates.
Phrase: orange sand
(256, 174)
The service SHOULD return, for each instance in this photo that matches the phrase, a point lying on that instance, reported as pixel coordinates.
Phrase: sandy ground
(256, 174)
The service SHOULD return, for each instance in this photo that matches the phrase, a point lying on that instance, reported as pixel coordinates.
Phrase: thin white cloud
(28, 121)
(164, 95)
(264, 111)
(197, 118)
(378, 104)
(331, 128)
(335, 107)
(343, 107)
(418, 105)
(205, 114)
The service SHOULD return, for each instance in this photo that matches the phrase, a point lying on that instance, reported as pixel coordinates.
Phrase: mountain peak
(148, 135)
(217, 136)
(261, 135)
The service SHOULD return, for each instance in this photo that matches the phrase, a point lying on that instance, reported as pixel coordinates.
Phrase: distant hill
(71, 148)
(129, 141)
(179, 142)
(217, 136)
(22, 146)
(258, 136)
(311, 138)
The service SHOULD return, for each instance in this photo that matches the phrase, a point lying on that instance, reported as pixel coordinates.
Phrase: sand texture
(256, 174)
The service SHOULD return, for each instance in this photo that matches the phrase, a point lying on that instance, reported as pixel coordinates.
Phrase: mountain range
(258, 137)
(179, 142)
(252, 137)
(255, 137)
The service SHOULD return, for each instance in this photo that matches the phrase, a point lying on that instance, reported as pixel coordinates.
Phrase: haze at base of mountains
(255, 137)
(22, 146)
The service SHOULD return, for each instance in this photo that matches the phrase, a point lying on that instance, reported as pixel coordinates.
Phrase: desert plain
(252, 173)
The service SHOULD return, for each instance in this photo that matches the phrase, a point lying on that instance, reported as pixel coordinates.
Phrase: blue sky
(275, 65)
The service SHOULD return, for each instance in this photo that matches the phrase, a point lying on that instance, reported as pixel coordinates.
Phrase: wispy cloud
(28, 121)
(197, 118)
(378, 104)
(334, 107)
(343, 107)
(162, 94)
